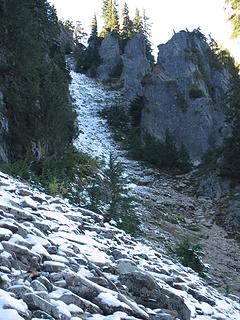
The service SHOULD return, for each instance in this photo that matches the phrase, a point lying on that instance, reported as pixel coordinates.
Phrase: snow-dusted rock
(61, 273)
(34, 302)
(5, 234)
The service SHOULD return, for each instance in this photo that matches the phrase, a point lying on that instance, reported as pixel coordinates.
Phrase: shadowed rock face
(135, 67)
(110, 56)
(4, 56)
(185, 95)
(66, 39)
(3, 130)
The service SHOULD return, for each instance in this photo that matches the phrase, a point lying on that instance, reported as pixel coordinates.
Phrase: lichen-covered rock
(111, 60)
(185, 95)
(135, 67)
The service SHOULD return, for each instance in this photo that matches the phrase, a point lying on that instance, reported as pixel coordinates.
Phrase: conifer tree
(94, 27)
(79, 33)
(137, 22)
(231, 152)
(36, 92)
(110, 16)
(147, 34)
(68, 25)
(146, 25)
(235, 17)
(126, 23)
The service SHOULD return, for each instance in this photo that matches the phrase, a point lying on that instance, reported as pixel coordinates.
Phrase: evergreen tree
(126, 23)
(184, 161)
(147, 34)
(146, 25)
(79, 33)
(94, 27)
(36, 89)
(231, 151)
(110, 16)
(235, 17)
(88, 59)
(137, 22)
(121, 205)
(68, 25)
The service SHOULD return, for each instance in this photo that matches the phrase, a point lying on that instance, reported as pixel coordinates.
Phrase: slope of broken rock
(59, 261)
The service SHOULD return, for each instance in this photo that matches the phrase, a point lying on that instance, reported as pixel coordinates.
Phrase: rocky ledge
(59, 261)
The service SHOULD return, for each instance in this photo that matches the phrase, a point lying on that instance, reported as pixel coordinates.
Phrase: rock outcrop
(4, 56)
(135, 67)
(59, 261)
(66, 39)
(185, 95)
(3, 131)
(111, 61)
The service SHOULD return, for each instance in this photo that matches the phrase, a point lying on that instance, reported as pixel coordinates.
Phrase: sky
(165, 16)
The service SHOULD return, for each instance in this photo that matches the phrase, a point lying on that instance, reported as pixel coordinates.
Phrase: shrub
(190, 255)
(66, 176)
(181, 102)
(56, 187)
(135, 111)
(195, 92)
(117, 71)
(184, 161)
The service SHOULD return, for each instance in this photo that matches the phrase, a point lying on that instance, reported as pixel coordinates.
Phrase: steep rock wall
(110, 58)
(185, 95)
(3, 131)
(135, 67)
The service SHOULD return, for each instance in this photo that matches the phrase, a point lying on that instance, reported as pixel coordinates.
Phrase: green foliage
(116, 116)
(121, 205)
(184, 161)
(79, 33)
(88, 59)
(235, 17)
(181, 101)
(160, 154)
(195, 92)
(231, 154)
(137, 22)
(135, 111)
(19, 169)
(220, 58)
(126, 24)
(68, 25)
(190, 255)
(56, 187)
(94, 27)
(67, 176)
(231, 150)
(117, 71)
(110, 17)
(41, 119)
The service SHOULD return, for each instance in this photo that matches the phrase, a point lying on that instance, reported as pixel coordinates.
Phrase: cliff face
(66, 39)
(110, 58)
(3, 130)
(135, 67)
(131, 66)
(4, 54)
(185, 95)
